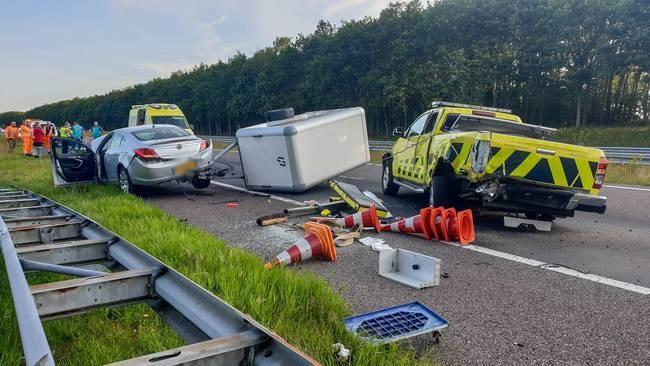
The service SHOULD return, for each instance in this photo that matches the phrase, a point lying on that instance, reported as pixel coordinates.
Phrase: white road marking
(560, 269)
(240, 189)
(628, 188)
(348, 177)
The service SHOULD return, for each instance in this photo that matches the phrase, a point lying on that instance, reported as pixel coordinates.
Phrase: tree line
(554, 62)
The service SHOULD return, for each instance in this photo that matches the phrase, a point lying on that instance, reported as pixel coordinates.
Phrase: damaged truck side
(488, 158)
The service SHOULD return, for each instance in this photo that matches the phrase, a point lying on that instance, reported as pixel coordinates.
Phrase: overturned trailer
(38, 234)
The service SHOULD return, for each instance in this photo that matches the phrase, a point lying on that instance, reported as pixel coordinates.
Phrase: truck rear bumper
(587, 202)
(526, 198)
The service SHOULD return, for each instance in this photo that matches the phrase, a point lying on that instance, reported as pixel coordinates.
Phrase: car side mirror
(398, 132)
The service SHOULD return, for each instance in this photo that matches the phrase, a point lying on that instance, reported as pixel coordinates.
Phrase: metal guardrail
(38, 234)
(636, 155)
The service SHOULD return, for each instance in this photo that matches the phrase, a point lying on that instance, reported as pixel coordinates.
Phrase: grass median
(300, 307)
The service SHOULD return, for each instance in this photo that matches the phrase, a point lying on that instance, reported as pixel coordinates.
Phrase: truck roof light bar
(439, 103)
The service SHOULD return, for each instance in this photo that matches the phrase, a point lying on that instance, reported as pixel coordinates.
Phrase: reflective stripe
(409, 224)
(358, 220)
(284, 257)
(305, 249)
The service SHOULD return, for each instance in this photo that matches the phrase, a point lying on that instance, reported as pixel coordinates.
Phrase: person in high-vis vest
(49, 133)
(11, 133)
(26, 136)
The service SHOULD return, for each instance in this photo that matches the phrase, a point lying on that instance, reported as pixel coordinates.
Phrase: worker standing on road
(26, 136)
(38, 133)
(77, 131)
(96, 130)
(11, 134)
(49, 132)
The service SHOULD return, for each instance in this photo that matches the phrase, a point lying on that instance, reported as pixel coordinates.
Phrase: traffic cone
(436, 223)
(367, 218)
(447, 215)
(460, 227)
(317, 242)
(418, 224)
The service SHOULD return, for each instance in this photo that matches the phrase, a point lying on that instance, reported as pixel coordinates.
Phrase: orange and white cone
(460, 226)
(436, 221)
(418, 224)
(367, 218)
(317, 242)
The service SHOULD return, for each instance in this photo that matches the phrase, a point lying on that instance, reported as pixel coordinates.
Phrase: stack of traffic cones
(448, 225)
(367, 218)
(437, 223)
(317, 242)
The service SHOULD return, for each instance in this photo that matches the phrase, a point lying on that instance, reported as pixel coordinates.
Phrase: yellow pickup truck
(483, 157)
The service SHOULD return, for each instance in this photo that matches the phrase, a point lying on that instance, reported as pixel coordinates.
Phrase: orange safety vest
(25, 132)
(11, 133)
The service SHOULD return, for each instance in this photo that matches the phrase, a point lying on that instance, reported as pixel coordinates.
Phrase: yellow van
(158, 114)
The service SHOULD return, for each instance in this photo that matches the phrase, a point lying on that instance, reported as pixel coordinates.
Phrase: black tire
(438, 193)
(125, 181)
(388, 185)
(199, 183)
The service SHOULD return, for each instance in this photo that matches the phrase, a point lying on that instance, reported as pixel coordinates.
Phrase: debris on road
(409, 268)
(396, 322)
(272, 219)
(317, 242)
(357, 200)
(342, 352)
(517, 222)
(314, 208)
(367, 218)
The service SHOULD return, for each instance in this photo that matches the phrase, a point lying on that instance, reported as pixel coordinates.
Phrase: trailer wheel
(200, 183)
(388, 185)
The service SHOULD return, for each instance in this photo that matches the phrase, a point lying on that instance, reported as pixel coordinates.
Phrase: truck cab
(158, 114)
(478, 156)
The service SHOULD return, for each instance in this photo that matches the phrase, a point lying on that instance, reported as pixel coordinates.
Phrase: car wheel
(125, 181)
(438, 192)
(199, 183)
(388, 186)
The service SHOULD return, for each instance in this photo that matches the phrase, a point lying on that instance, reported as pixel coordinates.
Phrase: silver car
(134, 157)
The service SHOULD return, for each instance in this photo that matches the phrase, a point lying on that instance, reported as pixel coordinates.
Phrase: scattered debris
(315, 208)
(357, 200)
(272, 219)
(220, 202)
(367, 218)
(517, 222)
(396, 322)
(342, 352)
(232, 204)
(345, 239)
(409, 268)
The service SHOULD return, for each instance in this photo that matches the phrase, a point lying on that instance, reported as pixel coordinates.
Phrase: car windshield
(178, 121)
(159, 133)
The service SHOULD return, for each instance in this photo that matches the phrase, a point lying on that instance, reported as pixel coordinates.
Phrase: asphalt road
(501, 312)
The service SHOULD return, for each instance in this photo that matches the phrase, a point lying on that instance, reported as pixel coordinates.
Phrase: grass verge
(300, 307)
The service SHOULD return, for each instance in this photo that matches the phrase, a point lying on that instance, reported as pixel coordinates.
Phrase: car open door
(72, 162)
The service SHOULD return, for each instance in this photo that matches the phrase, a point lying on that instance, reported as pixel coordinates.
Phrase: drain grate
(397, 322)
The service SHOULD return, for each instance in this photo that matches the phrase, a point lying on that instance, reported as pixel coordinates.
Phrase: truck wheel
(388, 186)
(438, 191)
(199, 183)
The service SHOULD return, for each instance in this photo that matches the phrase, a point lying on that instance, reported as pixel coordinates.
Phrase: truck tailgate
(546, 162)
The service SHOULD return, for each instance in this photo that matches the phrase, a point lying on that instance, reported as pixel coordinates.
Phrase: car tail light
(204, 145)
(599, 178)
(146, 154)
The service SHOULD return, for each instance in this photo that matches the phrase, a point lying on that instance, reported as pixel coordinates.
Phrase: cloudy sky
(54, 50)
